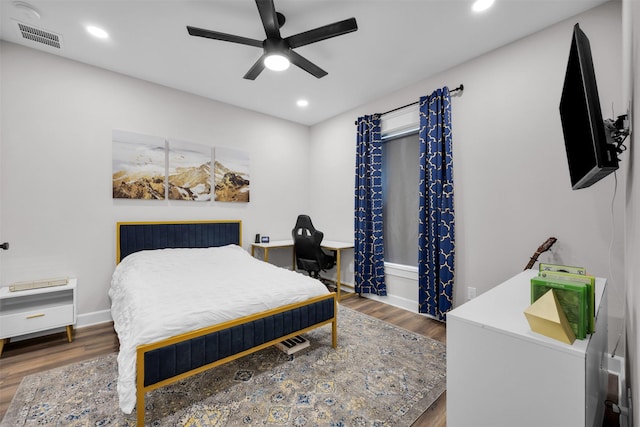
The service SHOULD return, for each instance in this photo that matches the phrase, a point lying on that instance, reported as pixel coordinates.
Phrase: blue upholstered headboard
(137, 236)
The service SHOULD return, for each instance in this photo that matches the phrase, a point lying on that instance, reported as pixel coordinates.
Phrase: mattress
(161, 293)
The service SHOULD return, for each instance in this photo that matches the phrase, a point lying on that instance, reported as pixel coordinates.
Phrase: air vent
(38, 35)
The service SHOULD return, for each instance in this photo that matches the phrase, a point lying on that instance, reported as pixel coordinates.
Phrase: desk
(274, 244)
(330, 245)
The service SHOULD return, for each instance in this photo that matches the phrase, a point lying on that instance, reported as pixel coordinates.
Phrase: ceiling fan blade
(306, 65)
(322, 33)
(256, 69)
(201, 32)
(269, 18)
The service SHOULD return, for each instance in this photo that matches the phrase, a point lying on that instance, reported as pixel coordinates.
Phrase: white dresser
(36, 310)
(500, 373)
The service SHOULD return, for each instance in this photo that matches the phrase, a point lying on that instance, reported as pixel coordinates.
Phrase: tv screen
(590, 156)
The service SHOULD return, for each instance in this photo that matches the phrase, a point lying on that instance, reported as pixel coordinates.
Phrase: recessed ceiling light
(97, 32)
(302, 103)
(480, 5)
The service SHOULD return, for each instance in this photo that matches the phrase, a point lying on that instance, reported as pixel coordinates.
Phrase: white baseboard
(396, 301)
(615, 364)
(95, 318)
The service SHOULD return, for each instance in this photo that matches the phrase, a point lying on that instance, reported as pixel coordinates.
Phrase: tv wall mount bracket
(617, 131)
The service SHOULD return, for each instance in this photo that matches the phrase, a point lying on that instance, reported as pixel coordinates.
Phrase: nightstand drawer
(36, 320)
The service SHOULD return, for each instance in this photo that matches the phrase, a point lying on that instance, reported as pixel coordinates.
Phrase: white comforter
(161, 293)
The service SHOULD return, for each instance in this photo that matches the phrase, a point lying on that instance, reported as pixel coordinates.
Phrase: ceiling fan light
(276, 62)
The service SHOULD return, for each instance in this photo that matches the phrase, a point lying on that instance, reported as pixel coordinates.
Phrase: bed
(185, 297)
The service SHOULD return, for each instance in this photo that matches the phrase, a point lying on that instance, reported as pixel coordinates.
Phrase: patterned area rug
(380, 375)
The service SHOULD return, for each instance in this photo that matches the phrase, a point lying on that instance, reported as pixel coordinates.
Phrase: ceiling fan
(277, 51)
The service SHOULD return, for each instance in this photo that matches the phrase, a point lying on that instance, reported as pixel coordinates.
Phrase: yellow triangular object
(546, 317)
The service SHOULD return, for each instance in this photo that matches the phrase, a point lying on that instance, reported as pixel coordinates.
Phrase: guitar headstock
(542, 248)
(546, 245)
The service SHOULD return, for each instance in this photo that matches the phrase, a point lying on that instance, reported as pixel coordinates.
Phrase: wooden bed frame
(173, 359)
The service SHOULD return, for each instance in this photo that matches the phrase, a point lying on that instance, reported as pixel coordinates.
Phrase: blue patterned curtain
(436, 215)
(369, 248)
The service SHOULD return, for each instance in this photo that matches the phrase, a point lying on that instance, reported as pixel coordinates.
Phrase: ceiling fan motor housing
(279, 46)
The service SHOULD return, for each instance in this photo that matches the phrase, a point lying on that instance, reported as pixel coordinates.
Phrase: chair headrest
(304, 229)
(304, 221)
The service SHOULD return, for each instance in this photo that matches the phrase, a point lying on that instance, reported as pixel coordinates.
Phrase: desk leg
(338, 272)
(266, 254)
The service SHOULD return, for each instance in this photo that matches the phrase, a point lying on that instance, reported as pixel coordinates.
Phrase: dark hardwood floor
(30, 356)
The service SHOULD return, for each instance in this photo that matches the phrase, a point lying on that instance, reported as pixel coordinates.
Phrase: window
(400, 176)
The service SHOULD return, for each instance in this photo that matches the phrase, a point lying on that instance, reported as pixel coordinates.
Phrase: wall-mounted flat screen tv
(590, 155)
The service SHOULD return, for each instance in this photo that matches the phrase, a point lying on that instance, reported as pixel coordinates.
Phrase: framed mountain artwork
(231, 175)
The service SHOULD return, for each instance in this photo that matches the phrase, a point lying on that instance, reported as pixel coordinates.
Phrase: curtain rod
(459, 88)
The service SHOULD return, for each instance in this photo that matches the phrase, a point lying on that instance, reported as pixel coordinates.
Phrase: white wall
(631, 81)
(512, 187)
(57, 211)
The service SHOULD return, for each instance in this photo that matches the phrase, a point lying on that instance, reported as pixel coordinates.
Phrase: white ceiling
(398, 42)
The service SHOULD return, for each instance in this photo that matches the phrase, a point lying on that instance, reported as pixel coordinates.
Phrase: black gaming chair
(310, 257)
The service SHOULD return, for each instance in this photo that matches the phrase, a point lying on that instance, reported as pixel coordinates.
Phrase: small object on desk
(265, 239)
(257, 238)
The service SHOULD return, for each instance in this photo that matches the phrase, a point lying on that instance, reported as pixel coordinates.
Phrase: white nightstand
(36, 310)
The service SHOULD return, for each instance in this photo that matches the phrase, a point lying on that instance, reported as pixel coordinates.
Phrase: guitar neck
(532, 260)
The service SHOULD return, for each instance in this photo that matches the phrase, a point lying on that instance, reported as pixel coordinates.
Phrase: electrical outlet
(471, 293)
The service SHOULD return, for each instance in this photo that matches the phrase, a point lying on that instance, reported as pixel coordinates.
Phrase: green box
(562, 268)
(572, 296)
(590, 281)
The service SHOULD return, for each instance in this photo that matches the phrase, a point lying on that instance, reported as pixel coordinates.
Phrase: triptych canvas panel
(154, 168)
